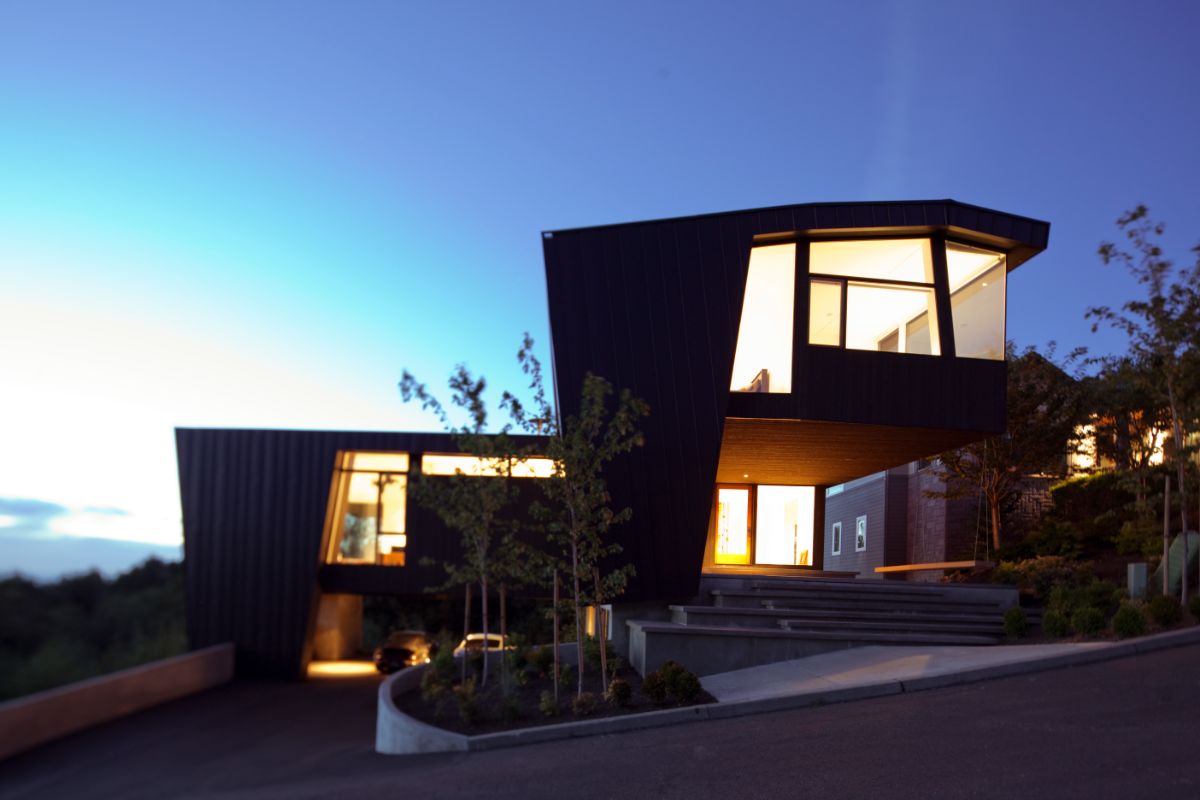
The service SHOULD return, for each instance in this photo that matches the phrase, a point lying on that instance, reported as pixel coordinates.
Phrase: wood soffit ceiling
(816, 453)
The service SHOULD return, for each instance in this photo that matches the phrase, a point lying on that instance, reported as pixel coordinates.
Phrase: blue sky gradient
(239, 214)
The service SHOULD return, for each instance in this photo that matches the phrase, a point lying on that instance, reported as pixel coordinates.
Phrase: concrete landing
(865, 666)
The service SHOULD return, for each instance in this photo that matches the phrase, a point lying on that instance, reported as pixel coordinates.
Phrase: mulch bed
(444, 712)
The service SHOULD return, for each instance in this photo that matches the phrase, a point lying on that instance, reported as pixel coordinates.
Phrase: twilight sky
(258, 214)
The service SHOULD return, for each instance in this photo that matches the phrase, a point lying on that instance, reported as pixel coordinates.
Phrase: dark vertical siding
(864, 496)
(254, 505)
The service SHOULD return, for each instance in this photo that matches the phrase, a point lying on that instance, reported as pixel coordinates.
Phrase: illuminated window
(369, 509)
(835, 538)
(977, 283)
(860, 534)
(733, 526)
(889, 299)
(763, 359)
(825, 313)
(456, 464)
(783, 530)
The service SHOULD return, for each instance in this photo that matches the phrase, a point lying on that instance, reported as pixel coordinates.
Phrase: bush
(566, 675)
(542, 660)
(468, 701)
(1087, 621)
(584, 705)
(591, 652)
(1194, 607)
(1015, 623)
(1055, 538)
(1039, 576)
(510, 709)
(432, 686)
(1129, 621)
(684, 686)
(1164, 610)
(619, 693)
(547, 705)
(654, 686)
(1054, 624)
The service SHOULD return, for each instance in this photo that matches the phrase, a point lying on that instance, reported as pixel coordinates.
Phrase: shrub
(584, 704)
(510, 709)
(1055, 538)
(1041, 575)
(442, 663)
(1087, 620)
(591, 652)
(683, 685)
(547, 705)
(1164, 610)
(1129, 621)
(619, 693)
(1054, 624)
(566, 675)
(1194, 607)
(1015, 623)
(542, 660)
(468, 701)
(432, 686)
(654, 686)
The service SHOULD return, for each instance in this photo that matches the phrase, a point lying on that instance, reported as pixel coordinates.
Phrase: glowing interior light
(763, 359)
(733, 526)
(454, 464)
(377, 462)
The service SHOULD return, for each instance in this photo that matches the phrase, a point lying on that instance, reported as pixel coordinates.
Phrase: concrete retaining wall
(30, 721)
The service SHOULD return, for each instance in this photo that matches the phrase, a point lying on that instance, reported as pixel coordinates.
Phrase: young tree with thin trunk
(475, 505)
(577, 515)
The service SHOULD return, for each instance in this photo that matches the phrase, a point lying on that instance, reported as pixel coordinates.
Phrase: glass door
(733, 525)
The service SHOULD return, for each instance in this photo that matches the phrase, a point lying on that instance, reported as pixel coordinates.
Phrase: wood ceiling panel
(814, 453)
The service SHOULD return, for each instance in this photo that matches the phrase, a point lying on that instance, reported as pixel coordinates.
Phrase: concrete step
(769, 617)
(846, 601)
(706, 649)
(977, 635)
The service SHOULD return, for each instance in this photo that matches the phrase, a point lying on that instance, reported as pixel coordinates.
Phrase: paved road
(1124, 728)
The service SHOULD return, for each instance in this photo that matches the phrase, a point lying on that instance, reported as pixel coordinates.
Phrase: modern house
(783, 351)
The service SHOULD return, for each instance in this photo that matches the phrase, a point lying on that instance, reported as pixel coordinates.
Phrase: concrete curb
(740, 708)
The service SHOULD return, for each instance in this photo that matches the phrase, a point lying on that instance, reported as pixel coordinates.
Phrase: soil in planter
(496, 713)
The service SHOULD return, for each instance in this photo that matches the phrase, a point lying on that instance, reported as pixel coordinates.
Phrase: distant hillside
(86, 625)
(44, 559)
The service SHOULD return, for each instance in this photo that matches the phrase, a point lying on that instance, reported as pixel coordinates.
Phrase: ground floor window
(860, 534)
(768, 525)
(835, 537)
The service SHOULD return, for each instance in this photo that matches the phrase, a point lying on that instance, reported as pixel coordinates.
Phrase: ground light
(340, 669)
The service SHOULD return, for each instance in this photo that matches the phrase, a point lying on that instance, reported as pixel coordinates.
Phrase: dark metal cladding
(254, 505)
(655, 307)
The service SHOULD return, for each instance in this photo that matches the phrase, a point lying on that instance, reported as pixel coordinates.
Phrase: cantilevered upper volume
(800, 345)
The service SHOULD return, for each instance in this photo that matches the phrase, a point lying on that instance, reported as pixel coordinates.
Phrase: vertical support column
(800, 311)
(941, 295)
(818, 551)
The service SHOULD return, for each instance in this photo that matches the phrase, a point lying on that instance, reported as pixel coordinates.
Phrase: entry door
(733, 525)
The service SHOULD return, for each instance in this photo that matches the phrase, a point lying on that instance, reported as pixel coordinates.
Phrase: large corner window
(977, 283)
(873, 294)
(763, 359)
(369, 509)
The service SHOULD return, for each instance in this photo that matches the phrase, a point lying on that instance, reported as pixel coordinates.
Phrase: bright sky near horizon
(256, 215)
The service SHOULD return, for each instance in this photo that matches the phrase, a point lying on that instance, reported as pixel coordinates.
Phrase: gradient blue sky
(257, 214)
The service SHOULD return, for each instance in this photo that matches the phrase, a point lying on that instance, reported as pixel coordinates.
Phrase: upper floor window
(763, 359)
(873, 294)
(369, 509)
(977, 279)
(457, 464)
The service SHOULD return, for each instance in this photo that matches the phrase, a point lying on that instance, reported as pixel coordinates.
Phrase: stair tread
(889, 615)
(843, 636)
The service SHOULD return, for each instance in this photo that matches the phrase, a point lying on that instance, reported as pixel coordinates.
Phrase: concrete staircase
(738, 622)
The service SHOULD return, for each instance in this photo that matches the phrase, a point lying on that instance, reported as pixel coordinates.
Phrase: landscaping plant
(584, 704)
(619, 693)
(1015, 623)
(1054, 624)
(1164, 610)
(1129, 621)
(1087, 621)
(654, 686)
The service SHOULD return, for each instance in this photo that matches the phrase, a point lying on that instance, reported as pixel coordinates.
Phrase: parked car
(403, 649)
(474, 643)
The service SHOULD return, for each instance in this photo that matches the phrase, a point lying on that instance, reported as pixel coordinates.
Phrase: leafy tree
(1163, 328)
(473, 505)
(577, 515)
(1044, 409)
(1129, 419)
